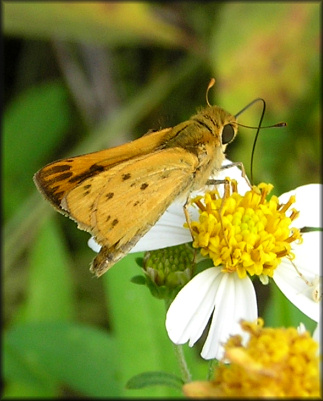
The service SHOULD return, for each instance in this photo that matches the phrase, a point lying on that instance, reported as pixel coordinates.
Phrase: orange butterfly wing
(119, 193)
(122, 206)
(58, 178)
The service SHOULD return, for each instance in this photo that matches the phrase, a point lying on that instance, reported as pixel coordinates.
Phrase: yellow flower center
(245, 234)
(274, 363)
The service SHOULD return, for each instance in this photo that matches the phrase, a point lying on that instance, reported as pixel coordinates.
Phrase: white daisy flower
(205, 297)
(257, 240)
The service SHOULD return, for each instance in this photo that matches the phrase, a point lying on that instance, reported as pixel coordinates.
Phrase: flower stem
(213, 363)
(179, 353)
(186, 375)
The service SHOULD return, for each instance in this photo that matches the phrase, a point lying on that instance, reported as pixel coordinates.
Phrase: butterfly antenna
(282, 124)
(212, 82)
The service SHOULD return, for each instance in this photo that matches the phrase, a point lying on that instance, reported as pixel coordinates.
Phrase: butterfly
(118, 194)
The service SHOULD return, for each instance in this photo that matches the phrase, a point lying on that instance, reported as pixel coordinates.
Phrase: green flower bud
(168, 270)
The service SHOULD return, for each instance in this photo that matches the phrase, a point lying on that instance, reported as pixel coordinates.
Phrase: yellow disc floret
(245, 233)
(276, 362)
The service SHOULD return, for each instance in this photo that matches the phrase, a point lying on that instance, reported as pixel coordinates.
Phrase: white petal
(308, 254)
(228, 297)
(301, 328)
(235, 300)
(93, 245)
(317, 336)
(308, 202)
(301, 287)
(191, 309)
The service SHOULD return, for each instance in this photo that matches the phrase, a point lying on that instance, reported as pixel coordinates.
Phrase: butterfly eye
(227, 134)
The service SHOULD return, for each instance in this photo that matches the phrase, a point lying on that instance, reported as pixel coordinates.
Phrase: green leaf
(50, 285)
(56, 353)
(138, 280)
(19, 390)
(97, 23)
(148, 379)
(31, 130)
(138, 321)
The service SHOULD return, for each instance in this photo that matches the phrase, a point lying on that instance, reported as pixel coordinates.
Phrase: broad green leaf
(34, 123)
(148, 379)
(30, 389)
(138, 321)
(76, 356)
(50, 285)
(105, 23)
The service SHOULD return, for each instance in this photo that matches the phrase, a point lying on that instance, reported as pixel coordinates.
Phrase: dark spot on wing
(58, 195)
(115, 222)
(108, 218)
(92, 171)
(60, 177)
(87, 190)
(126, 176)
(54, 170)
(109, 195)
(96, 167)
(144, 186)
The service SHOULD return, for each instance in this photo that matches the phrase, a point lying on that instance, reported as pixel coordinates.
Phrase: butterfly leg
(187, 216)
(316, 284)
(188, 221)
(243, 171)
(229, 187)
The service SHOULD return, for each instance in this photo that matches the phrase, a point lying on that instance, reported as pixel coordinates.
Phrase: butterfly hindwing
(142, 196)
(130, 201)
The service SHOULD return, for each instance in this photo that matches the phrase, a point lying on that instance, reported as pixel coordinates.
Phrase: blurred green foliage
(80, 77)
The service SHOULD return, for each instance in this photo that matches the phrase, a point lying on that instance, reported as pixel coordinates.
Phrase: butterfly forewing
(56, 179)
(79, 202)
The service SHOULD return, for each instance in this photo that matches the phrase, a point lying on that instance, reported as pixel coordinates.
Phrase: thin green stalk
(185, 373)
(179, 353)
(213, 363)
